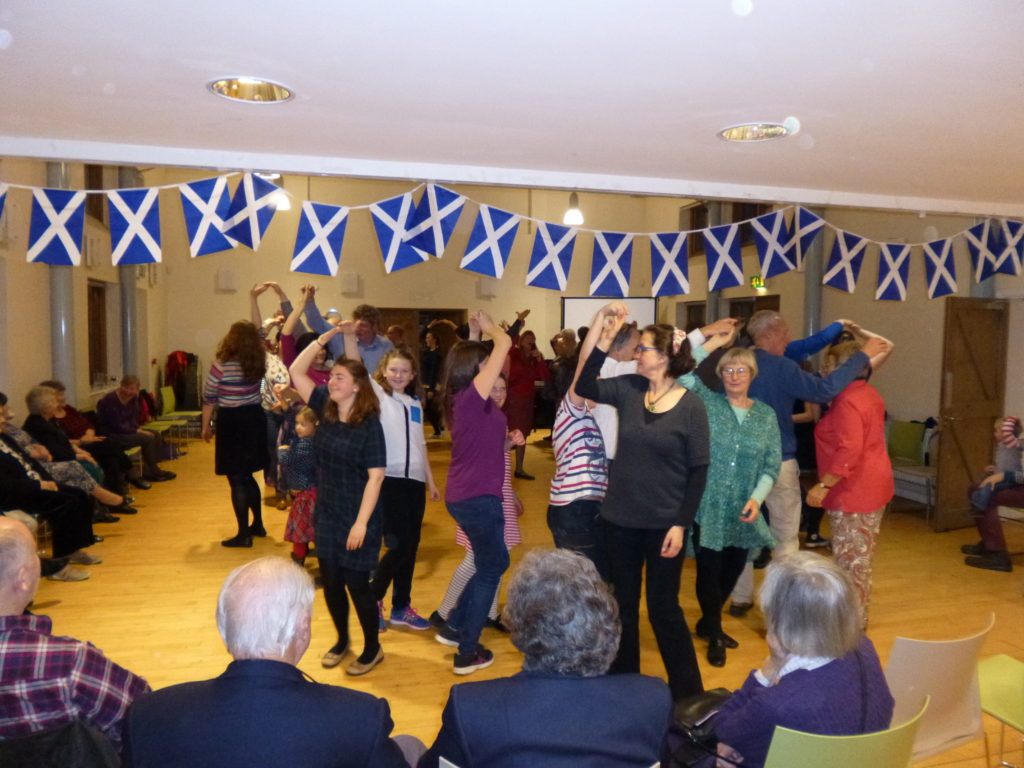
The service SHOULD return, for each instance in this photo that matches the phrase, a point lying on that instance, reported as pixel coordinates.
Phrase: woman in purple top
(473, 490)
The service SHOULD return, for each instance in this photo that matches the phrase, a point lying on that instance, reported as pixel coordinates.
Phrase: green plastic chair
(884, 749)
(1001, 682)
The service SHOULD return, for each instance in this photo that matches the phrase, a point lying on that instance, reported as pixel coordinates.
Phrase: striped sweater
(226, 388)
(581, 466)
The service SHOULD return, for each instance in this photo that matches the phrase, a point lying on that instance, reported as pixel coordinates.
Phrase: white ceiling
(913, 105)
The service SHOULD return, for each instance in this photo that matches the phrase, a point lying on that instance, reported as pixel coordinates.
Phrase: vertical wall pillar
(714, 301)
(129, 177)
(814, 268)
(62, 300)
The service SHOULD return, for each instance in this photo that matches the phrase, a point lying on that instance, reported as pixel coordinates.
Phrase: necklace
(652, 403)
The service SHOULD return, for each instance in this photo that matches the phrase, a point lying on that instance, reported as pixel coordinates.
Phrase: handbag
(692, 739)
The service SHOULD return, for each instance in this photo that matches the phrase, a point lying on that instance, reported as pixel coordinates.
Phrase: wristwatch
(826, 487)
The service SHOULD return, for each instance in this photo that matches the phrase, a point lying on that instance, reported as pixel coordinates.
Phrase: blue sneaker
(407, 617)
(382, 626)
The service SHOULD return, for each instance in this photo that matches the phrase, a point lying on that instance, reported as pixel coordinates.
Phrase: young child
(513, 509)
(298, 466)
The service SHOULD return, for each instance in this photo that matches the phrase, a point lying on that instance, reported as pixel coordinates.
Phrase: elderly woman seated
(822, 675)
(562, 709)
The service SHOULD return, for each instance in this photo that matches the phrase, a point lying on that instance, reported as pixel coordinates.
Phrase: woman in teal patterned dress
(745, 457)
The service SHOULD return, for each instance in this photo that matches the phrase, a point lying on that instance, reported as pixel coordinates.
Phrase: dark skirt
(519, 410)
(241, 447)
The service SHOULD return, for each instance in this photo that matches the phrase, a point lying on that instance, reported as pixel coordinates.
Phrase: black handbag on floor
(692, 739)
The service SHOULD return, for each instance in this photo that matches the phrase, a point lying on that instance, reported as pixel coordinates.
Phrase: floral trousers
(853, 546)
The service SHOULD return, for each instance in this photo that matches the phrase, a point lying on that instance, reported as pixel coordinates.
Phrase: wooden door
(973, 384)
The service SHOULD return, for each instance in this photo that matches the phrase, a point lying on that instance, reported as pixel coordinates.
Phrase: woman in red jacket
(526, 365)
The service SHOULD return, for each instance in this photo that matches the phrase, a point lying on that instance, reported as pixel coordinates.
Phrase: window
(97, 311)
(746, 211)
(690, 218)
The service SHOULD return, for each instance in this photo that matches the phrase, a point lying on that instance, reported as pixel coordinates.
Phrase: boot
(992, 561)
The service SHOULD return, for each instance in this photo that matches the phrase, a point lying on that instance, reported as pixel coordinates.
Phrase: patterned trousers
(853, 546)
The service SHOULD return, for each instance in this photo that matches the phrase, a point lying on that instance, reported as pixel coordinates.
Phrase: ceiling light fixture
(251, 90)
(574, 216)
(754, 132)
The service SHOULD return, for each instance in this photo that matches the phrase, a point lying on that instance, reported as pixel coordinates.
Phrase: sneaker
(466, 664)
(437, 620)
(407, 617)
(814, 541)
(447, 636)
(382, 626)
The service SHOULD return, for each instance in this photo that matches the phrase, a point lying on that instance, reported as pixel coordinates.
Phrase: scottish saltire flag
(3, 197)
(490, 242)
(134, 226)
(939, 268)
(252, 208)
(670, 264)
(205, 204)
(55, 232)
(610, 265)
(1007, 237)
(774, 244)
(391, 221)
(893, 271)
(434, 220)
(319, 239)
(725, 264)
(979, 245)
(807, 227)
(844, 264)
(551, 257)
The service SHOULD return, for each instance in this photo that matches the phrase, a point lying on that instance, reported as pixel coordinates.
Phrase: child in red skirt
(299, 469)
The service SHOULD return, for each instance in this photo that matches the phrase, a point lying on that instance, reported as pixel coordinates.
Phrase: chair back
(168, 400)
(882, 749)
(906, 442)
(1001, 680)
(947, 671)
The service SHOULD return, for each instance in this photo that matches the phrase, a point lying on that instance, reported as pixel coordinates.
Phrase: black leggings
(245, 496)
(336, 579)
(402, 502)
(717, 573)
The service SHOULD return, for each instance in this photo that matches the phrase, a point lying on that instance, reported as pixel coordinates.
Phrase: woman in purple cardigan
(822, 674)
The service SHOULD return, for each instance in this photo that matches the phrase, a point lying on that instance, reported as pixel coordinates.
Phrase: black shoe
(974, 549)
(728, 641)
(257, 530)
(496, 624)
(51, 565)
(716, 652)
(739, 610)
(991, 561)
(447, 636)
(237, 541)
(436, 620)
(762, 559)
(126, 499)
(123, 509)
(161, 476)
(140, 482)
(471, 662)
(103, 516)
(522, 475)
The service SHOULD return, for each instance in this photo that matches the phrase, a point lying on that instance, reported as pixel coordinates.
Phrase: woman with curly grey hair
(562, 709)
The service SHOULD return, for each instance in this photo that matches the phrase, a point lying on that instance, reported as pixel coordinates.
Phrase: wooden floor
(150, 605)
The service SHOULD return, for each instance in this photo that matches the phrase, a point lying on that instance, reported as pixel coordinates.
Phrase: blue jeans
(482, 519)
(578, 526)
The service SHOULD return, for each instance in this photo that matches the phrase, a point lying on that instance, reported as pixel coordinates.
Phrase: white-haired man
(262, 710)
(47, 681)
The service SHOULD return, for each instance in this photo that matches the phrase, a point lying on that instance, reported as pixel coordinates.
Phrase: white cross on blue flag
(551, 257)
(610, 265)
(1007, 237)
(844, 263)
(808, 226)
(490, 242)
(775, 244)
(434, 220)
(319, 239)
(893, 270)
(979, 245)
(391, 221)
(670, 264)
(134, 226)
(252, 208)
(205, 204)
(58, 222)
(940, 268)
(725, 263)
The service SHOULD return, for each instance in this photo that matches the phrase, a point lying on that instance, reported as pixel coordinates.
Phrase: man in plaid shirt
(48, 681)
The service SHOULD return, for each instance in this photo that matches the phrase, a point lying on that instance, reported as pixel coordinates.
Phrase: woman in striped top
(233, 391)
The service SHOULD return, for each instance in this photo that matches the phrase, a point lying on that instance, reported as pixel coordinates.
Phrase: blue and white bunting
(3, 197)
(551, 256)
(940, 268)
(893, 271)
(205, 204)
(611, 263)
(670, 264)
(134, 226)
(252, 208)
(391, 219)
(58, 222)
(844, 264)
(490, 242)
(979, 245)
(1008, 239)
(319, 239)
(725, 262)
(434, 220)
(807, 227)
(775, 244)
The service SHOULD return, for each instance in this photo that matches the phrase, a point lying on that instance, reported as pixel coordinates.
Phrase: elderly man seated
(119, 414)
(262, 710)
(562, 709)
(48, 681)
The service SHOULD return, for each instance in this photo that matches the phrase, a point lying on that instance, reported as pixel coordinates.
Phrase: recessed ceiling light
(754, 132)
(252, 90)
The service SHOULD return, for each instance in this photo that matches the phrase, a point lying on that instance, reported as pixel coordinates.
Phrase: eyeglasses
(735, 371)
(642, 348)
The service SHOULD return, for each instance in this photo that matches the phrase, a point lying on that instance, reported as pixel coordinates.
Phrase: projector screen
(577, 311)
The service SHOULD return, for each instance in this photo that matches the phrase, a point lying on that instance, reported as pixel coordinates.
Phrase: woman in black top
(431, 363)
(654, 488)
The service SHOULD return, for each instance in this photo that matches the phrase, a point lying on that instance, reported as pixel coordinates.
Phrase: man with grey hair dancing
(262, 710)
(562, 709)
